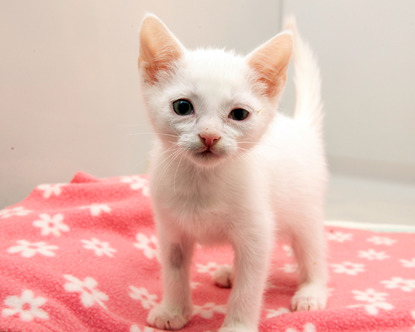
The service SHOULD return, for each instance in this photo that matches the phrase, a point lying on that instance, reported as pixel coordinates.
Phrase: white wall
(69, 96)
(366, 50)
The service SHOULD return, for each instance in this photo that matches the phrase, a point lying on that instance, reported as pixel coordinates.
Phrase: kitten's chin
(207, 159)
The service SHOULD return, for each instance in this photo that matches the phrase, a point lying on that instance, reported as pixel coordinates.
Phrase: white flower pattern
(29, 249)
(147, 300)
(18, 211)
(207, 310)
(89, 295)
(50, 190)
(372, 255)
(97, 209)
(408, 262)
(381, 240)
(288, 250)
(348, 268)
(375, 301)
(338, 236)
(137, 183)
(210, 267)
(147, 244)
(289, 268)
(99, 247)
(406, 285)
(51, 224)
(26, 306)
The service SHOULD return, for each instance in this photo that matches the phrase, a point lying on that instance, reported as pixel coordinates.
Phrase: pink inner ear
(159, 49)
(270, 62)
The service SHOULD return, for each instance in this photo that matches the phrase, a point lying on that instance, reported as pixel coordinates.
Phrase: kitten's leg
(309, 248)
(175, 310)
(252, 257)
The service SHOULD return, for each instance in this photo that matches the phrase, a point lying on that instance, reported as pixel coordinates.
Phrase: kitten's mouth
(207, 157)
(207, 154)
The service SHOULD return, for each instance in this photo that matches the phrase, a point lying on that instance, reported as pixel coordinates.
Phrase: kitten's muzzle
(209, 140)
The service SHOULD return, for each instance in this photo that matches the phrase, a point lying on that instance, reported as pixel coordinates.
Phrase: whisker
(172, 150)
(168, 161)
(259, 144)
(177, 169)
(170, 125)
(241, 156)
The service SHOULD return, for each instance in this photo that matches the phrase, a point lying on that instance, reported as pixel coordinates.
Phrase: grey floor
(370, 201)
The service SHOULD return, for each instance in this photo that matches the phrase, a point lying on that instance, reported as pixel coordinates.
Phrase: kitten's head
(210, 105)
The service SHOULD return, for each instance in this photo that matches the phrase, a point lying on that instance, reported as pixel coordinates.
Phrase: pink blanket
(82, 257)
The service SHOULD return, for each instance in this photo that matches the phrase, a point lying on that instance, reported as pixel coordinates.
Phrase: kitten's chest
(194, 199)
(197, 206)
(205, 218)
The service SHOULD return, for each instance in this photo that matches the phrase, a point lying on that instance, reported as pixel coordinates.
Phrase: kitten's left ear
(159, 49)
(270, 62)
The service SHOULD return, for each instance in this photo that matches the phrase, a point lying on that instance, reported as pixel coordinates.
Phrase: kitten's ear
(159, 49)
(270, 62)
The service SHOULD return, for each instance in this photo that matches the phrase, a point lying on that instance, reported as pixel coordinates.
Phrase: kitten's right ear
(270, 63)
(159, 49)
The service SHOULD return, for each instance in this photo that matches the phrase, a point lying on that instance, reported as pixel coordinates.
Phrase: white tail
(306, 78)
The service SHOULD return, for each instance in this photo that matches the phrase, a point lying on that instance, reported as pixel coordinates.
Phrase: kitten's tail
(306, 78)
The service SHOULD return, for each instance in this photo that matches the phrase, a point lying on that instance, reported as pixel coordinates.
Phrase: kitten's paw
(309, 297)
(164, 318)
(223, 276)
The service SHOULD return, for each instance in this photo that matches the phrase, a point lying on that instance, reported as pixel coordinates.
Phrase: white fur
(266, 178)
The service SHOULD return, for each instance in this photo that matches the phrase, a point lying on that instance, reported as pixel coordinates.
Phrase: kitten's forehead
(215, 59)
(216, 71)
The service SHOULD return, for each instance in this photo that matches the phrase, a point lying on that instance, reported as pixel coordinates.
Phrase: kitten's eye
(238, 114)
(183, 107)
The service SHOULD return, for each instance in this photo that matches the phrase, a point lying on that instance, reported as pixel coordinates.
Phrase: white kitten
(226, 168)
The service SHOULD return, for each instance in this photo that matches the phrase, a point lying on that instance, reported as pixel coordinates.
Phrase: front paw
(309, 297)
(165, 318)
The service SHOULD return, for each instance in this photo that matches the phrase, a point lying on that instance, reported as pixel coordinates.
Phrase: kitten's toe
(223, 276)
(308, 298)
(306, 304)
(164, 318)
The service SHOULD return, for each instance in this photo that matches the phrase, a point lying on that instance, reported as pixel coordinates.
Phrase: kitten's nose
(209, 139)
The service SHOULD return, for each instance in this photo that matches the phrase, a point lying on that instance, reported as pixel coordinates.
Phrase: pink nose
(209, 140)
